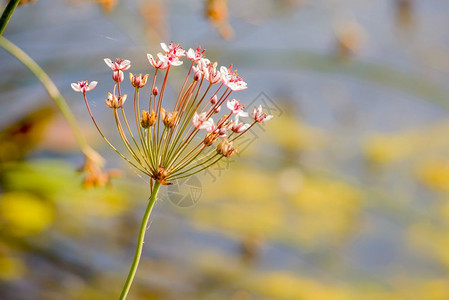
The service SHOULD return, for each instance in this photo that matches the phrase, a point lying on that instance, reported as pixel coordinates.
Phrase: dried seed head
(210, 138)
(169, 119)
(226, 148)
(138, 81)
(115, 102)
(148, 119)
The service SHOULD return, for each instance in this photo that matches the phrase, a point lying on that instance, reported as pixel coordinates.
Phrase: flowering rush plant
(175, 142)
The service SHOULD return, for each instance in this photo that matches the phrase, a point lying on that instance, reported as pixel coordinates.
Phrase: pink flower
(211, 73)
(219, 130)
(239, 127)
(83, 86)
(118, 65)
(201, 66)
(236, 107)
(173, 52)
(200, 121)
(260, 116)
(173, 49)
(232, 79)
(161, 62)
(195, 55)
(212, 127)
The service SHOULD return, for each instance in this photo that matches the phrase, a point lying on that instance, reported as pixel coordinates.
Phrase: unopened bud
(217, 109)
(117, 76)
(222, 131)
(196, 77)
(155, 91)
(214, 99)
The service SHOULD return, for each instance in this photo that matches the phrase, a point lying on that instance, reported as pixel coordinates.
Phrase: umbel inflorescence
(177, 141)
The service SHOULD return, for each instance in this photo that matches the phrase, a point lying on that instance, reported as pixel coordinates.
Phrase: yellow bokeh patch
(24, 214)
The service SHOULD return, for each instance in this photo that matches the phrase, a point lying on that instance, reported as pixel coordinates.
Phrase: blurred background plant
(343, 196)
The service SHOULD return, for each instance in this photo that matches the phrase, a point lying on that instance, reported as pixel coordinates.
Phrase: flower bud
(217, 109)
(214, 99)
(196, 77)
(117, 76)
(222, 131)
(155, 91)
(148, 119)
(226, 148)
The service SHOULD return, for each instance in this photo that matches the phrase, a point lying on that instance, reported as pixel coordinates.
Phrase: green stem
(7, 13)
(140, 240)
(51, 88)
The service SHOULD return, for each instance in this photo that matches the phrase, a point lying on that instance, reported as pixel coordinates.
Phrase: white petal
(150, 58)
(231, 104)
(76, 87)
(164, 47)
(162, 57)
(190, 54)
(176, 63)
(268, 118)
(109, 62)
(126, 64)
(92, 85)
(209, 125)
(124, 98)
(195, 120)
(242, 113)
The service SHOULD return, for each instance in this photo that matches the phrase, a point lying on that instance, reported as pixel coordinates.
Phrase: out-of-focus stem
(7, 13)
(52, 91)
(140, 240)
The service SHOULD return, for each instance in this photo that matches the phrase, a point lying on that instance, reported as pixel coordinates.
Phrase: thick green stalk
(7, 13)
(140, 240)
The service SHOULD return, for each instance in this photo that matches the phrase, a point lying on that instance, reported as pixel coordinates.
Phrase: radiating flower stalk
(170, 142)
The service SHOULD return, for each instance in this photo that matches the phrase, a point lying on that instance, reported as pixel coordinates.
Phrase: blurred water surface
(344, 195)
